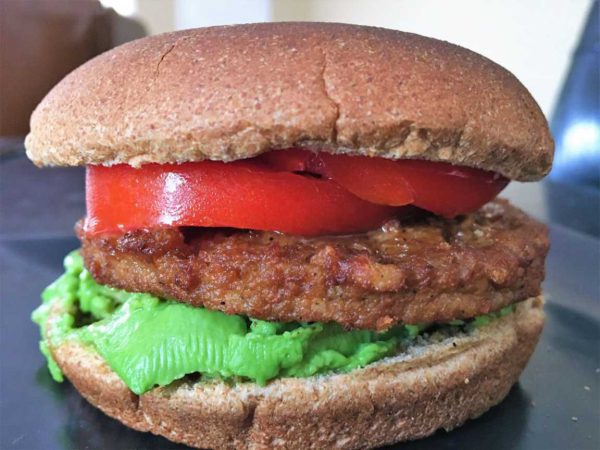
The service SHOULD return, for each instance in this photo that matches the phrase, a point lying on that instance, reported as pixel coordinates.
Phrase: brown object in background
(40, 42)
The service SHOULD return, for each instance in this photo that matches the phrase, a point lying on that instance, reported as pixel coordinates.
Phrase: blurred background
(552, 46)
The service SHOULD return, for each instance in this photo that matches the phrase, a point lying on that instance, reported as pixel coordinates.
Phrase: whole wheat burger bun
(430, 386)
(226, 93)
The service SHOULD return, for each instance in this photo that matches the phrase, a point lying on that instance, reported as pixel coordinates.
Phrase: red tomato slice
(373, 179)
(356, 193)
(450, 190)
(441, 188)
(376, 180)
(215, 194)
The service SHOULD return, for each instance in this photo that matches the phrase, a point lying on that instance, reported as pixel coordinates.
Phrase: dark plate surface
(555, 405)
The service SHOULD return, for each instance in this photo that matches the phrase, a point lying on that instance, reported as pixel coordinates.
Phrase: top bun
(227, 93)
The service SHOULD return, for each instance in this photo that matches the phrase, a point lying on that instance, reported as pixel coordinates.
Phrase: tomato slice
(215, 194)
(279, 191)
(373, 179)
(450, 190)
(441, 188)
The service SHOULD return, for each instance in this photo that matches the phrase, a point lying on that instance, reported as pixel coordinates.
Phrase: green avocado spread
(151, 342)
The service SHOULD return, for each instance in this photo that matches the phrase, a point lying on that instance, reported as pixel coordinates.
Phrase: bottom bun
(427, 387)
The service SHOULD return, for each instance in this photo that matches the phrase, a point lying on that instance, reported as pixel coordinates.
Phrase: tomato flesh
(294, 191)
(216, 194)
(373, 179)
(450, 190)
(438, 187)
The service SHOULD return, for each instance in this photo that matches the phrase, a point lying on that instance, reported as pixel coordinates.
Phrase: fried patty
(422, 270)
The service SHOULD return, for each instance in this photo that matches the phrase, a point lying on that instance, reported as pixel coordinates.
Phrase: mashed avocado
(148, 341)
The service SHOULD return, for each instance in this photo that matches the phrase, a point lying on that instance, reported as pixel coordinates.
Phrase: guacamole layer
(151, 342)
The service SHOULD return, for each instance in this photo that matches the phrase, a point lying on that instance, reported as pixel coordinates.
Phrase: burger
(292, 237)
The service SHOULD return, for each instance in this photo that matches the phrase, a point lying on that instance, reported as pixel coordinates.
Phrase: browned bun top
(228, 93)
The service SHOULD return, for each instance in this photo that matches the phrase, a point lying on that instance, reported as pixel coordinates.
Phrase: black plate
(554, 406)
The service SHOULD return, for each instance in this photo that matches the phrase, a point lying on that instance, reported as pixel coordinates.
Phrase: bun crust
(227, 93)
(440, 385)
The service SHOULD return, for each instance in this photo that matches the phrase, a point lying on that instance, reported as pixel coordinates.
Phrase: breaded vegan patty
(427, 270)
